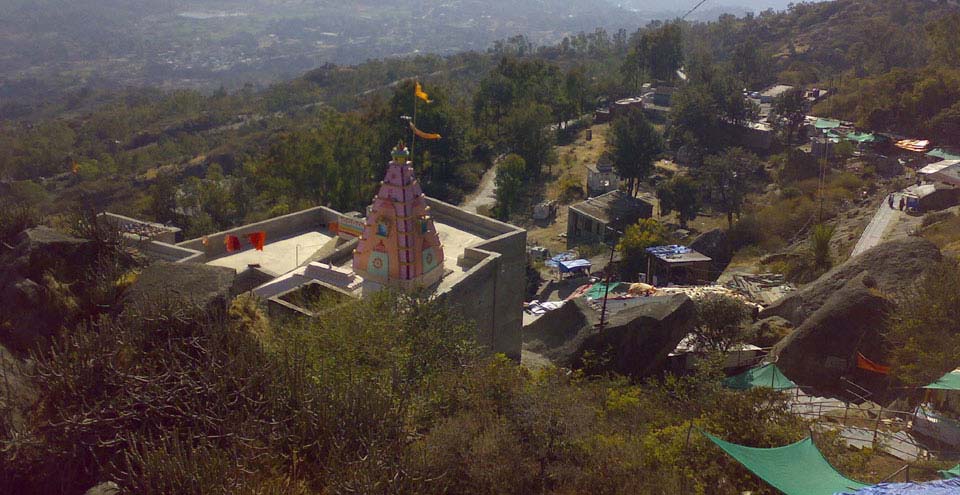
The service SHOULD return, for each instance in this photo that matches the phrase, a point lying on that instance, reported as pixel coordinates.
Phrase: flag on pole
(424, 135)
(232, 243)
(419, 93)
(75, 167)
(866, 364)
(257, 239)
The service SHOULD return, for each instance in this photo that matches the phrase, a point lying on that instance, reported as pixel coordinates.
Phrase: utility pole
(606, 286)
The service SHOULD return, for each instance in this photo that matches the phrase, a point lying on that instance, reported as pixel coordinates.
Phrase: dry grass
(946, 235)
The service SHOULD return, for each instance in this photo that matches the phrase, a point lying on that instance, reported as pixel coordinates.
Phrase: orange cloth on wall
(232, 243)
(257, 239)
(866, 364)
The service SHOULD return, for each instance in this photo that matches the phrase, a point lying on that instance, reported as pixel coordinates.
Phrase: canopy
(826, 124)
(600, 289)
(950, 381)
(569, 266)
(939, 487)
(767, 375)
(865, 137)
(795, 469)
(943, 154)
(951, 473)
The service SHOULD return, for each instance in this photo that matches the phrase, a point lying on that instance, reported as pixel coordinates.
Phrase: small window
(382, 229)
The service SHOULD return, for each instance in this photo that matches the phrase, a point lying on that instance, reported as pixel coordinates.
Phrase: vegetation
(510, 176)
(728, 177)
(635, 145)
(720, 321)
(636, 238)
(681, 194)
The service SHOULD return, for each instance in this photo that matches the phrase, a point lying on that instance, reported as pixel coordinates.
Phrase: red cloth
(866, 364)
(257, 239)
(232, 243)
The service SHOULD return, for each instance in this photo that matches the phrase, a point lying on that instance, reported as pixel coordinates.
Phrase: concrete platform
(277, 257)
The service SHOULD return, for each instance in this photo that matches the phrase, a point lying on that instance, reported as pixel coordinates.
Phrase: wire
(695, 7)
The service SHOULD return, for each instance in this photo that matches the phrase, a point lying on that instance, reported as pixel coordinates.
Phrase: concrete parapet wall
(169, 252)
(169, 235)
(276, 228)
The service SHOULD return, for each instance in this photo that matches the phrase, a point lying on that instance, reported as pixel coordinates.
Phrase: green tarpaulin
(943, 155)
(826, 124)
(949, 474)
(865, 137)
(795, 469)
(598, 289)
(767, 375)
(950, 381)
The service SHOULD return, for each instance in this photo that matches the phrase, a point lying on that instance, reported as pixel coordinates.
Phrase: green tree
(924, 331)
(681, 194)
(509, 182)
(727, 176)
(163, 199)
(791, 107)
(635, 145)
(719, 322)
(636, 238)
(945, 39)
(529, 135)
(658, 53)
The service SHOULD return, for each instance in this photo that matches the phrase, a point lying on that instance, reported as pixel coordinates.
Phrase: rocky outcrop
(635, 341)
(893, 266)
(41, 249)
(204, 286)
(715, 244)
(825, 347)
(768, 331)
(108, 488)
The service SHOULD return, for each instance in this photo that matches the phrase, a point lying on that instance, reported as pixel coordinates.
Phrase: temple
(399, 246)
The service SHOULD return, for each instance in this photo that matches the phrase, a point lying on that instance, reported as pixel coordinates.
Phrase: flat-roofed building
(588, 220)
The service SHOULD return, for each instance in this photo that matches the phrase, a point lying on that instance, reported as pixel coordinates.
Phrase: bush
(936, 217)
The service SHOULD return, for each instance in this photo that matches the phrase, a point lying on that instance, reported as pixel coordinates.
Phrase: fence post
(846, 410)
(876, 427)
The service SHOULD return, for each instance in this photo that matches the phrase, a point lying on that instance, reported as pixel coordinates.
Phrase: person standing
(890, 200)
(903, 202)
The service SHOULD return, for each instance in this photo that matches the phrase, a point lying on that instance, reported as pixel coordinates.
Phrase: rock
(108, 488)
(16, 392)
(635, 342)
(769, 331)
(205, 286)
(894, 266)
(41, 249)
(715, 244)
(24, 322)
(825, 347)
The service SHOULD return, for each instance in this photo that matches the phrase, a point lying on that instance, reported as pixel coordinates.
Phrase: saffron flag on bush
(232, 243)
(423, 135)
(257, 239)
(866, 364)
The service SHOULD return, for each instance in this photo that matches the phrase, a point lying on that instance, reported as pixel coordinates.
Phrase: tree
(924, 331)
(719, 323)
(529, 135)
(680, 194)
(647, 232)
(791, 107)
(659, 53)
(509, 182)
(636, 144)
(727, 175)
(163, 199)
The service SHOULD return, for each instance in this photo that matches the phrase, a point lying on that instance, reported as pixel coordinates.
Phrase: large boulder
(715, 244)
(824, 348)
(17, 394)
(42, 249)
(203, 286)
(635, 341)
(893, 265)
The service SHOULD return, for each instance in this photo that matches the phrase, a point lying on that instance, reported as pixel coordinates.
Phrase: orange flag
(419, 93)
(866, 364)
(257, 239)
(232, 243)
(424, 135)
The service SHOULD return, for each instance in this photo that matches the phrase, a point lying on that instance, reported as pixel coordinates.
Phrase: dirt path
(485, 195)
(875, 231)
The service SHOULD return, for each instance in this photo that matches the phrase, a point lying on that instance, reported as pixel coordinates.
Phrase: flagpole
(413, 138)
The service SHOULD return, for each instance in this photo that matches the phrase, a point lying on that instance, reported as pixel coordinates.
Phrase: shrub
(935, 217)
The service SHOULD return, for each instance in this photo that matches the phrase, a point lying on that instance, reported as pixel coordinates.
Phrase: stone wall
(492, 291)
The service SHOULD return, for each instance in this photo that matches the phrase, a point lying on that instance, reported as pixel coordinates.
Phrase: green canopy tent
(861, 138)
(943, 154)
(949, 474)
(824, 124)
(795, 469)
(767, 375)
(950, 381)
(600, 289)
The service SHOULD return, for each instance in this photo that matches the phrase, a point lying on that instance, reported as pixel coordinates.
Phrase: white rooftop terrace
(278, 257)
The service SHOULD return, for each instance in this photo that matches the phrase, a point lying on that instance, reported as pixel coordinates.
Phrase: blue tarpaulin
(939, 487)
(668, 250)
(565, 256)
(573, 265)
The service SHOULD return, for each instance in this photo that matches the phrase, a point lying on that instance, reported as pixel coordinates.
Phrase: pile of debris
(763, 289)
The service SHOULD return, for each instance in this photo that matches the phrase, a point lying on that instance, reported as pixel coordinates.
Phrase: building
(944, 171)
(474, 263)
(602, 177)
(770, 94)
(587, 221)
(621, 107)
(677, 265)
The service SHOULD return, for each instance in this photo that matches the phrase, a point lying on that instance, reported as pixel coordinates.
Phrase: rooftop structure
(676, 265)
(945, 171)
(771, 93)
(602, 177)
(400, 245)
(588, 220)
